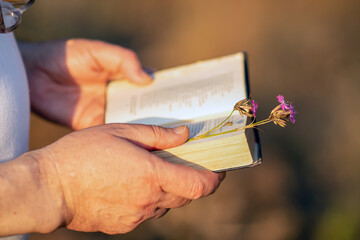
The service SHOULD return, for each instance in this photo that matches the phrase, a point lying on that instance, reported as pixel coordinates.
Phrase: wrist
(31, 196)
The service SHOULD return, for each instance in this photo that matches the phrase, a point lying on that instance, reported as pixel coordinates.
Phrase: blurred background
(309, 51)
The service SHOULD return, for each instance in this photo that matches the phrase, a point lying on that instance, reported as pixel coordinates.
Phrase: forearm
(29, 200)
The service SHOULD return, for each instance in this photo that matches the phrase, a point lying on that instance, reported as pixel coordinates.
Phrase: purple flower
(288, 107)
(281, 98)
(292, 114)
(284, 105)
(254, 106)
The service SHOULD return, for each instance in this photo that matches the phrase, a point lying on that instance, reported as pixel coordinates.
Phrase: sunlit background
(309, 51)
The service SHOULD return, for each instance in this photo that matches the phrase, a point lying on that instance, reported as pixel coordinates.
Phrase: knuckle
(185, 202)
(197, 190)
(157, 132)
(160, 212)
(134, 221)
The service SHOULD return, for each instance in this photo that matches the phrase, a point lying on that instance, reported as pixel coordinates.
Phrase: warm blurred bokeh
(308, 186)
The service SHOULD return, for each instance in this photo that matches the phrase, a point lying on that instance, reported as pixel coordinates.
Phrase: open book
(199, 95)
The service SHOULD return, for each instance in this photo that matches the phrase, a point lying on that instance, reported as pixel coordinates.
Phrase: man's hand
(105, 179)
(67, 79)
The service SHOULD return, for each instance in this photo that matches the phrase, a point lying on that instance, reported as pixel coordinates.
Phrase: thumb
(153, 137)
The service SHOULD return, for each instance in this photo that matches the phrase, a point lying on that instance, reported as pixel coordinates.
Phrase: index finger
(120, 62)
(185, 181)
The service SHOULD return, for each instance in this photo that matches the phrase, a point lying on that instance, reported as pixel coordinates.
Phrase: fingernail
(179, 130)
(149, 71)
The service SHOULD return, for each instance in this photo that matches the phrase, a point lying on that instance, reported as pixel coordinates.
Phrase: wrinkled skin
(112, 183)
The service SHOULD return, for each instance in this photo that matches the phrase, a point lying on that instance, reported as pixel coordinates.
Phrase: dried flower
(254, 106)
(292, 114)
(288, 107)
(281, 99)
(283, 113)
(284, 105)
(280, 115)
(245, 108)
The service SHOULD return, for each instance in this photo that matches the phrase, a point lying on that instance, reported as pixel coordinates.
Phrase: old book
(199, 95)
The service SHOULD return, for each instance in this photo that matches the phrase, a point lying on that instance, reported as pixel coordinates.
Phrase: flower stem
(251, 125)
(213, 129)
(262, 122)
(217, 134)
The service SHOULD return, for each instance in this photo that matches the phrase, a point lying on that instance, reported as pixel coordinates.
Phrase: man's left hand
(67, 79)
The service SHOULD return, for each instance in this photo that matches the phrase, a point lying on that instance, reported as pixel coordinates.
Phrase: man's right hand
(105, 179)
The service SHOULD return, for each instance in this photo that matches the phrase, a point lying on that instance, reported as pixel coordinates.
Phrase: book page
(179, 94)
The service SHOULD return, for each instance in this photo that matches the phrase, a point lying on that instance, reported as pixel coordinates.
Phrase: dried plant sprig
(244, 107)
(280, 115)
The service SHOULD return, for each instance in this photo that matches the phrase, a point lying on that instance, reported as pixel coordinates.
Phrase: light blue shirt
(14, 105)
